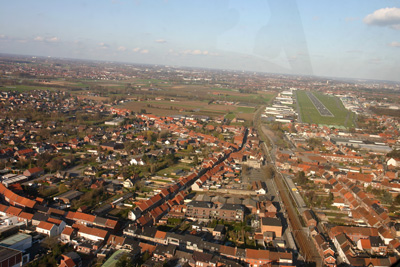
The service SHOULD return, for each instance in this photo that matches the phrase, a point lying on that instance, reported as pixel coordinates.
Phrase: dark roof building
(10, 257)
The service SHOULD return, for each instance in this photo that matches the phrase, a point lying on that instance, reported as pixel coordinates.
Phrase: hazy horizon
(314, 38)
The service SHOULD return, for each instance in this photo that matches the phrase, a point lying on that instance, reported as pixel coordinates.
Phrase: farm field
(161, 97)
(309, 114)
(187, 107)
(199, 100)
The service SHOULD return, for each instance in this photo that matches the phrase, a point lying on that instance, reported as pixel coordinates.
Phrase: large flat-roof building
(18, 241)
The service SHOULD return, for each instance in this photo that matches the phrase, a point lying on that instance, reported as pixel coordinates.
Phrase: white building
(47, 228)
(137, 161)
(94, 234)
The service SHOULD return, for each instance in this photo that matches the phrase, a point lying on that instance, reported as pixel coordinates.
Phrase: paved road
(299, 120)
(323, 111)
(307, 247)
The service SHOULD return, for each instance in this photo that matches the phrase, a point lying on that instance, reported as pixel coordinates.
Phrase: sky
(351, 39)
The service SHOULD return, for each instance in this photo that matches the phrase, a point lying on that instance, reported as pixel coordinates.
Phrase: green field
(179, 166)
(309, 114)
(245, 109)
(230, 116)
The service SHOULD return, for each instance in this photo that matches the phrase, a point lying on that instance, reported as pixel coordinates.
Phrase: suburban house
(34, 172)
(47, 228)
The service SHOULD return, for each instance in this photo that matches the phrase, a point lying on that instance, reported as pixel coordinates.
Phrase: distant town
(114, 164)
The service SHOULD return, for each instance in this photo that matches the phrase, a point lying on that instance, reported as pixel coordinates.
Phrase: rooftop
(6, 253)
(112, 261)
(14, 239)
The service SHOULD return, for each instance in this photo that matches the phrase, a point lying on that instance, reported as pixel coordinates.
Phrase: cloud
(161, 41)
(394, 44)
(316, 18)
(2, 36)
(52, 39)
(198, 52)
(389, 16)
(121, 48)
(104, 46)
(140, 50)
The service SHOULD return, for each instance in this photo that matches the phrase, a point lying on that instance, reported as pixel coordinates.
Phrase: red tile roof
(365, 243)
(68, 231)
(3, 208)
(93, 231)
(45, 225)
(67, 263)
(55, 221)
(80, 216)
(13, 211)
(26, 216)
(160, 235)
(35, 170)
(116, 240)
(257, 254)
(111, 224)
(147, 247)
(13, 198)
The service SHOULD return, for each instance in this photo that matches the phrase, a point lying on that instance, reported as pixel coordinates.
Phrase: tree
(153, 168)
(268, 171)
(42, 159)
(56, 164)
(190, 148)
(146, 256)
(394, 154)
(314, 142)
(387, 197)
(124, 261)
(196, 159)
(151, 136)
(163, 134)
(62, 188)
(301, 178)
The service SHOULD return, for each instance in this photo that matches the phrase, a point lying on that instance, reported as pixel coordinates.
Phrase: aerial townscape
(199, 133)
(109, 164)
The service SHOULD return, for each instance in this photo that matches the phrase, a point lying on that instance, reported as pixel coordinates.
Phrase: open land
(310, 114)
